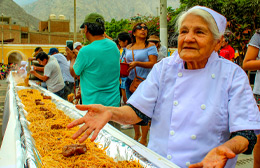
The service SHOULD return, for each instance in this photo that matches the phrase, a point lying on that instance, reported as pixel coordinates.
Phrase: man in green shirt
(97, 64)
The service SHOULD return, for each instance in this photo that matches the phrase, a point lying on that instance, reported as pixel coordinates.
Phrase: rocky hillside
(18, 14)
(117, 9)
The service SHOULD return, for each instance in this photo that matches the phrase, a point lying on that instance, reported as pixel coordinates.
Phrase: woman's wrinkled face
(141, 31)
(195, 41)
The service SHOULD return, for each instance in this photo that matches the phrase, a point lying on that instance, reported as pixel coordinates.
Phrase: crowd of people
(55, 70)
(6, 69)
(198, 104)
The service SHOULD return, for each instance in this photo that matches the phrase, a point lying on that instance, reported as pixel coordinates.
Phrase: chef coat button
(203, 106)
(193, 137)
(175, 103)
(187, 164)
(169, 157)
(172, 133)
(213, 76)
(180, 74)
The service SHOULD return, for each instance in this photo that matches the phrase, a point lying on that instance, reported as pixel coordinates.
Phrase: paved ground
(244, 161)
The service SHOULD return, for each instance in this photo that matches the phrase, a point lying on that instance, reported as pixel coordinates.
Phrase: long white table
(11, 154)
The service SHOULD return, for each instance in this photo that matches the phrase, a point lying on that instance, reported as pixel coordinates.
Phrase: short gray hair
(206, 16)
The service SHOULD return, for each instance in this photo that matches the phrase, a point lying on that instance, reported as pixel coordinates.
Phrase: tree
(114, 27)
(243, 18)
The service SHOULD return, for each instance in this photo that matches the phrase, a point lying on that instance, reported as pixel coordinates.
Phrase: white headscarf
(220, 20)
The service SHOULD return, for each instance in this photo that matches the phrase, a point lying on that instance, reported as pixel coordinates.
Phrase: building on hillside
(10, 31)
(53, 31)
(19, 42)
(55, 25)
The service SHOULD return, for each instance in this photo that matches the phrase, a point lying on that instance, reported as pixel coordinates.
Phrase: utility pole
(75, 23)
(163, 23)
(28, 37)
(2, 38)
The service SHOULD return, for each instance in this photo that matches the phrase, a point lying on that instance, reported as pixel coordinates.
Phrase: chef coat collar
(178, 60)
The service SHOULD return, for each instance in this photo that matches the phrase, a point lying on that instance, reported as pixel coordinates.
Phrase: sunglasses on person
(139, 27)
(155, 42)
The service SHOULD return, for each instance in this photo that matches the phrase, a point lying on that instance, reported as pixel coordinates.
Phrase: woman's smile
(189, 48)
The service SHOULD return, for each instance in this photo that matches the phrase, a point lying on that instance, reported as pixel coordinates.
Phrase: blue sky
(24, 2)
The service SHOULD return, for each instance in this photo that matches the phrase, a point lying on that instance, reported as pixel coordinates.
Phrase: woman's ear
(219, 44)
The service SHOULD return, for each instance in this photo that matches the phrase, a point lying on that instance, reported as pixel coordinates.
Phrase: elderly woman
(201, 106)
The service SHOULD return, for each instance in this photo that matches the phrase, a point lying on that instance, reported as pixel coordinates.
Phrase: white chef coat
(193, 111)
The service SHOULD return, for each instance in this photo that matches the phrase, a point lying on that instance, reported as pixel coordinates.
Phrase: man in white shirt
(65, 70)
(52, 73)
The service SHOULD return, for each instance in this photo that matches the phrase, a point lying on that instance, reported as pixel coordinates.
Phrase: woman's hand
(216, 158)
(132, 65)
(95, 119)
